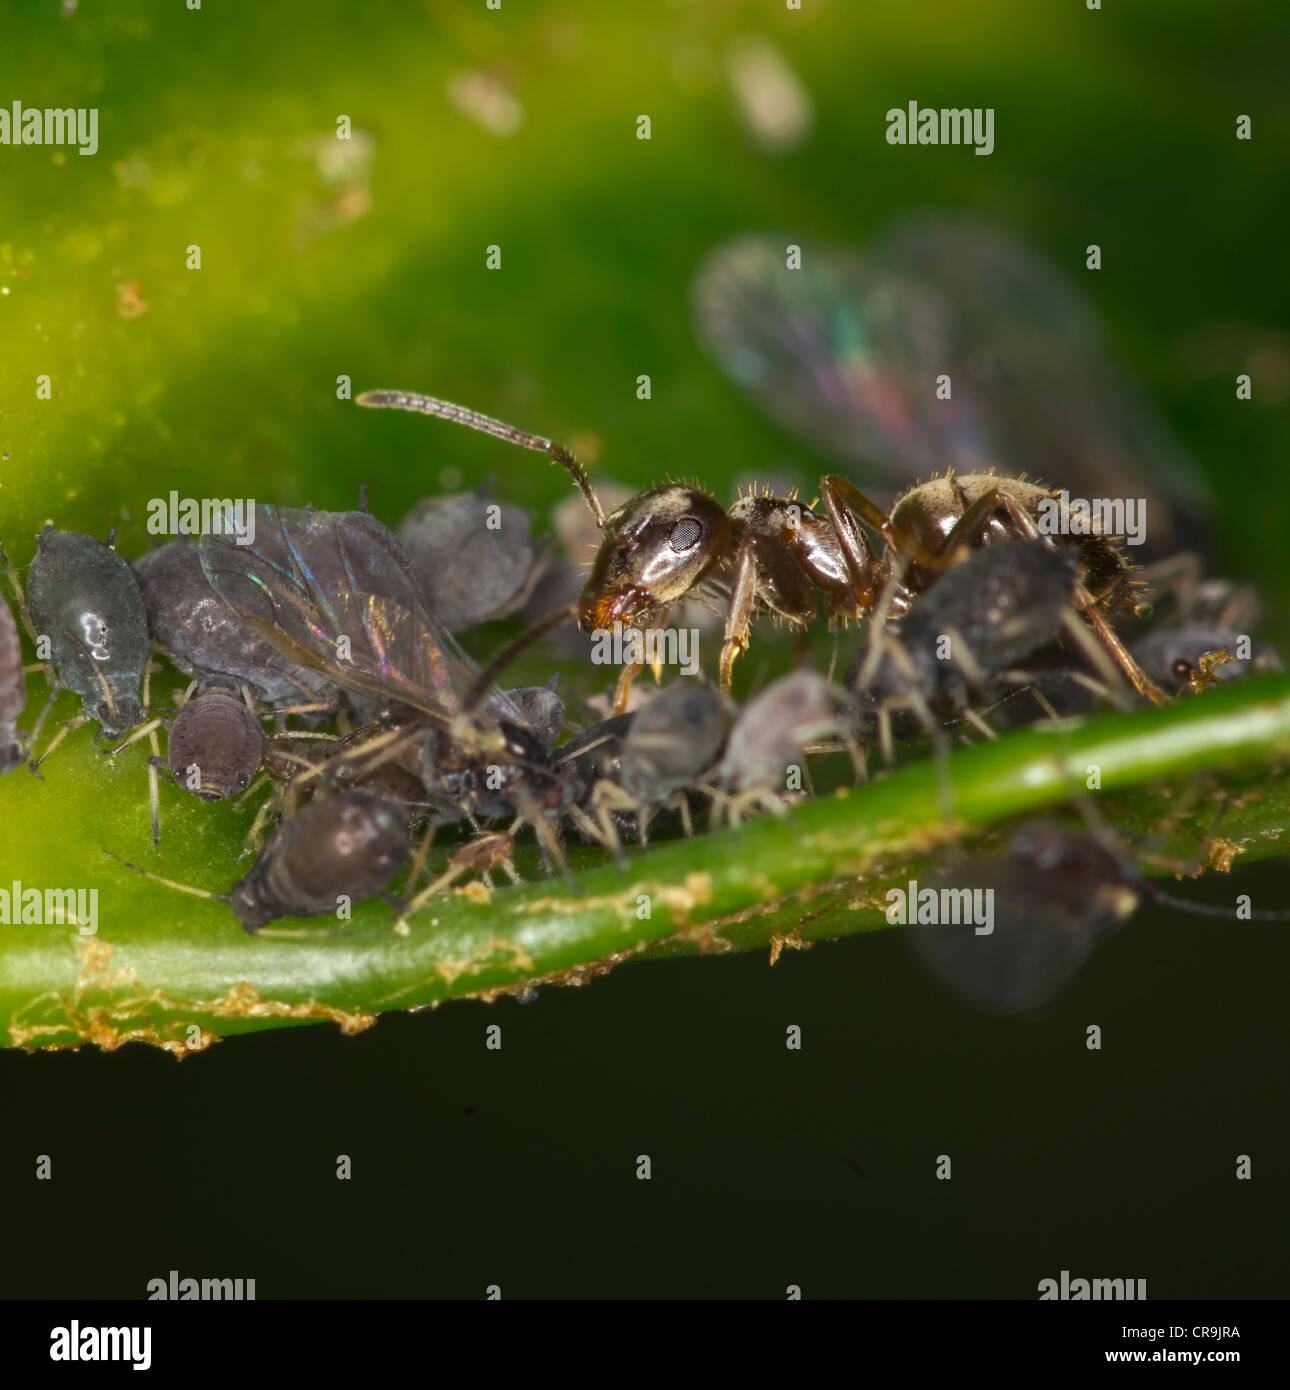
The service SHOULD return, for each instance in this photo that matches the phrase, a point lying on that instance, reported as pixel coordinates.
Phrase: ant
(769, 554)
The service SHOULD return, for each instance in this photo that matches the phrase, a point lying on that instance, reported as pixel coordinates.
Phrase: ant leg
(1088, 606)
(743, 594)
(844, 504)
(486, 424)
(623, 690)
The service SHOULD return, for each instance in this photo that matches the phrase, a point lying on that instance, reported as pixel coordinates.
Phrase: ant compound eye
(685, 535)
(1181, 668)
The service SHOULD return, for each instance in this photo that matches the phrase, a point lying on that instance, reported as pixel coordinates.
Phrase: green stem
(820, 869)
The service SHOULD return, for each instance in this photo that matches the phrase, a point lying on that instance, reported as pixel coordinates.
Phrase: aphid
(216, 744)
(335, 591)
(193, 626)
(763, 759)
(846, 351)
(475, 557)
(961, 640)
(1049, 900)
(13, 691)
(653, 757)
(1023, 923)
(1190, 658)
(84, 598)
(770, 554)
(336, 851)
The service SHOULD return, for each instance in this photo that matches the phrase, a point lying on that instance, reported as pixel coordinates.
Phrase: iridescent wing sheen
(842, 353)
(845, 352)
(1058, 405)
(335, 591)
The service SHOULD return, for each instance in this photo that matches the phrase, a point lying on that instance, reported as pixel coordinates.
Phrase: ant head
(656, 548)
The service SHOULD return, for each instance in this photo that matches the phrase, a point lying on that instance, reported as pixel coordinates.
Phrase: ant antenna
(445, 410)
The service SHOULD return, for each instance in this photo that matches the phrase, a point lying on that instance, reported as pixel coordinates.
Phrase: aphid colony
(339, 633)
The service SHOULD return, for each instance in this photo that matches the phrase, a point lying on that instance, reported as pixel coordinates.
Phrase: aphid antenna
(191, 889)
(486, 424)
(487, 678)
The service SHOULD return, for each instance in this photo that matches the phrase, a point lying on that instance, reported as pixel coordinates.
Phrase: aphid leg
(484, 852)
(419, 858)
(154, 787)
(72, 724)
(743, 594)
(1178, 575)
(978, 722)
(143, 731)
(483, 684)
(548, 840)
(1088, 606)
(486, 424)
(254, 835)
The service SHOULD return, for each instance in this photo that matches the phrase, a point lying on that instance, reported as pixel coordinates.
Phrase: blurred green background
(217, 129)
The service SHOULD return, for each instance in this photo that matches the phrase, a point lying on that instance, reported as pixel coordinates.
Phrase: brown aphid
(336, 851)
(347, 846)
(216, 744)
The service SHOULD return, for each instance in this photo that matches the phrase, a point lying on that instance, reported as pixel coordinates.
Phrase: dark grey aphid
(968, 630)
(773, 729)
(541, 711)
(13, 690)
(344, 846)
(474, 556)
(673, 741)
(595, 755)
(84, 597)
(1171, 655)
(216, 744)
(1054, 895)
(202, 634)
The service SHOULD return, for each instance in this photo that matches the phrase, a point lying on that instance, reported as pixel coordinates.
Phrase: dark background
(517, 1168)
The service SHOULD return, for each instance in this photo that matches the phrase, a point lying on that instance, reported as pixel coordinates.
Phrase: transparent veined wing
(1058, 405)
(843, 354)
(846, 353)
(335, 591)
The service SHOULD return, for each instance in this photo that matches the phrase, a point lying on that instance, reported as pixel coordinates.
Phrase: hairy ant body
(770, 554)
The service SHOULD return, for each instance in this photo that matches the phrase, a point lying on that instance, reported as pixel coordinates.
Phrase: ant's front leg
(743, 594)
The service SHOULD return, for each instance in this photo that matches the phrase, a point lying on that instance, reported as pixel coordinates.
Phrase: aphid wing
(1037, 365)
(842, 352)
(295, 587)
